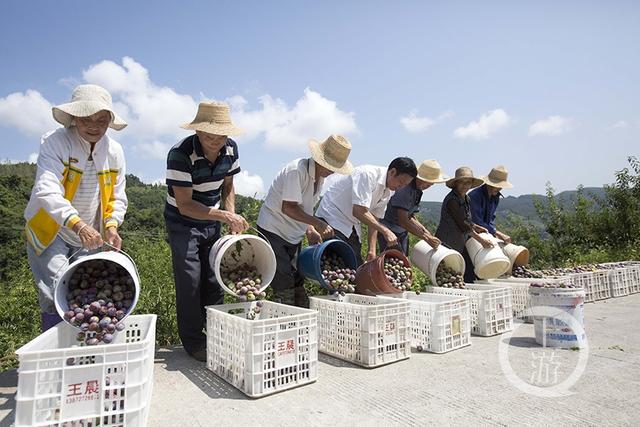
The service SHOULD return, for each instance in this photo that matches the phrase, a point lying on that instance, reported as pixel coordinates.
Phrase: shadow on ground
(8, 386)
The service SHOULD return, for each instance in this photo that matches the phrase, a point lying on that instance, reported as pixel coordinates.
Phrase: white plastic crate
(62, 383)
(595, 284)
(365, 330)
(520, 297)
(619, 282)
(491, 311)
(633, 270)
(274, 352)
(439, 323)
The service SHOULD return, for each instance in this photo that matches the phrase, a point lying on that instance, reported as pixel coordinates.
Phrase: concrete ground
(466, 386)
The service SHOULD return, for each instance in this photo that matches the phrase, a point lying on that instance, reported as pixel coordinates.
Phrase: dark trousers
(196, 286)
(353, 240)
(403, 243)
(288, 283)
(469, 273)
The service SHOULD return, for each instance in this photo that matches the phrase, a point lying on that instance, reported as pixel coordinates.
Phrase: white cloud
(488, 124)
(552, 126)
(28, 112)
(313, 116)
(414, 123)
(152, 111)
(154, 149)
(620, 124)
(248, 185)
(33, 158)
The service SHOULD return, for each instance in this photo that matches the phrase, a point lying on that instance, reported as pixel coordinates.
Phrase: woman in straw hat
(405, 203)
(200, 171)
(485, 199)
(287, 212)
(456, 224)
(78, 199)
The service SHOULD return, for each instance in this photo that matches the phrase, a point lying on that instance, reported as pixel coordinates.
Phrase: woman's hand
(89, 236)
(113, 238)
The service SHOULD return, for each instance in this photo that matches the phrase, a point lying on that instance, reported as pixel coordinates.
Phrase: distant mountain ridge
(521, 206)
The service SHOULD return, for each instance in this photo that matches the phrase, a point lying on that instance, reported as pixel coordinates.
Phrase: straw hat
(430, 171)
(332, 153)
(87, 100)
(498, 178)
(214, 118)
(464, 172)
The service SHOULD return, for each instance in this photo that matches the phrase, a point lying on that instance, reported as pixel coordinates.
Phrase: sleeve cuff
(71, 221)
(111, 223)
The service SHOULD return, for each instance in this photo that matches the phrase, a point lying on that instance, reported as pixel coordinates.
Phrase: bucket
(558, 312)
(370, 277)
(234, 250)
(518, 255)
(427, 259)
(488, 263)
(61, 284)
(310, 259)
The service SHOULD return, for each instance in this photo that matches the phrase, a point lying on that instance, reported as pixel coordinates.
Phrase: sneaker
(199, 355)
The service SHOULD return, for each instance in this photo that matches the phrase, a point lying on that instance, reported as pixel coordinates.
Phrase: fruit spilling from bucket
(447, 277)
(245, 281)
(100, 294)
(336, 275)
(398, 274)
(524, 272)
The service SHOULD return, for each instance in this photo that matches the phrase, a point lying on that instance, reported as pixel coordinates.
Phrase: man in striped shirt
(200, 171)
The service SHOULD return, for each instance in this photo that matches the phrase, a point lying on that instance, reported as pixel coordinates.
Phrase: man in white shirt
(287, 212)
(362, 198)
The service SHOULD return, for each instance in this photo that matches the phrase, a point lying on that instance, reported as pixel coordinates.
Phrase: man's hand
(479, 229)
(113, 238)
(486, 243)
(505, 238)
(370, 256)
(390, 237)
(313, 236)
(89, 236)
(324, 229)
(431, 240)
(237, 224)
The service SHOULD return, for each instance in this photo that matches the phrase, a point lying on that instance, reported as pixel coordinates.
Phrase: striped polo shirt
(187, 167)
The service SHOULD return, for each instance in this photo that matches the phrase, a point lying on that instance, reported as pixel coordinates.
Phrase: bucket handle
(261, 235)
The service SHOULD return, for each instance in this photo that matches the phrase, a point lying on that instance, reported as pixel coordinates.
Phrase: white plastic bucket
(518, 255)
(427, 259)
(488, 263)
(558, 330)
(61, 284)
(234, 250)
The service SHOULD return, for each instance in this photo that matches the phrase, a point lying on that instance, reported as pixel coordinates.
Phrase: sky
(549, 89)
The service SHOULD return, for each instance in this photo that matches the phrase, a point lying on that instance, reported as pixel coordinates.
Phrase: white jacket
(61, 161)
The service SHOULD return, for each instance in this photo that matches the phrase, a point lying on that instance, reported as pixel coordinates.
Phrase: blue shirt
(483, 208)
(188, 167)
(408, 199)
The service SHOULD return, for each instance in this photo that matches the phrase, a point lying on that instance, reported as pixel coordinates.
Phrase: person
(362, 197)
(405, 203)
(78, 199)
(200, 171)
(287, 212)
(485, 199)
(456, 224)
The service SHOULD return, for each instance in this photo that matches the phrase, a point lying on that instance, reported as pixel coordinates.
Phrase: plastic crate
(633, 270)
(491, 307)
(439, 323)
(61, 383)
(520, 297)
(274, 352)
(619, 282)
(364, 330)
(595, 284)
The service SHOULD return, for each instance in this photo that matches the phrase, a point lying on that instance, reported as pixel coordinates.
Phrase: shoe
(199, 355)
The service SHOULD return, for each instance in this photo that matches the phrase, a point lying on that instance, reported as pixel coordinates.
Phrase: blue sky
(549, 89)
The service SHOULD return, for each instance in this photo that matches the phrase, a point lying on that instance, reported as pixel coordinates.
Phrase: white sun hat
(86, 101)
(332, 153)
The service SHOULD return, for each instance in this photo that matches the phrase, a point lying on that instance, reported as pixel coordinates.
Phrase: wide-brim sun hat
(214, 118)
(464, 172)
(431, 172)
(332, 153)
(498, 178)
(87, 100)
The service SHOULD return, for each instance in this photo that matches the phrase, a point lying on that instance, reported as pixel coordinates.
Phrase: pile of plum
(524, 272)
(99, 295)
(447, 277)
(553, 285)
(336, 275)
(398, 273)
(244, 281)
